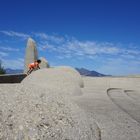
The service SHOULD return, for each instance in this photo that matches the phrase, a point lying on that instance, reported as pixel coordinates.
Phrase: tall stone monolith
(31, 53)
(44, 63)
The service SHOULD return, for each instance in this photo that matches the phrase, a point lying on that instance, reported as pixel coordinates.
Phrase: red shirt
(33, 65)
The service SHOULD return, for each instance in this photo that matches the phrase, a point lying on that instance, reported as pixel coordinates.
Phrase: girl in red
(33, 66)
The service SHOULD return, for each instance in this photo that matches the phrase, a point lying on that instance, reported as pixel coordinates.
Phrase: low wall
(12, 78)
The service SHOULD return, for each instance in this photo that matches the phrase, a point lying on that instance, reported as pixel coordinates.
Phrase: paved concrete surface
(114, 105)
(55, 104)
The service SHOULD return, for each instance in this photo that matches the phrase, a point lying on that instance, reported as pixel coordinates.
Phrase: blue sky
(101, 35)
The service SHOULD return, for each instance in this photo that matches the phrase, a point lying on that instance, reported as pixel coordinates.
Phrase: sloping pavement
(113, 104)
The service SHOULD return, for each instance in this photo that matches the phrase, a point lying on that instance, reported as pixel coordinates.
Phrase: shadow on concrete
(12, 78)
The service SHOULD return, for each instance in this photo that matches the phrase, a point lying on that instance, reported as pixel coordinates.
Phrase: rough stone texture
(40, 108)
(44, 63)
(31, 53)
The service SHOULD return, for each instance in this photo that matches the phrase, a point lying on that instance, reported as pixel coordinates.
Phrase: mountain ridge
(86, 72)
(82, 71)
(13, 71)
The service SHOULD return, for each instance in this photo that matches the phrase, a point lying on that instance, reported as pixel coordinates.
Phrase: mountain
(86, 72)
(13, 71)
(82, 71)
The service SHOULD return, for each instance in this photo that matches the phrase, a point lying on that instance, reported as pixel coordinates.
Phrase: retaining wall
(12, 78)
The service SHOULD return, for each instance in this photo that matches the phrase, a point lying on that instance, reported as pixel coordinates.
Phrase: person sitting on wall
(33, 66)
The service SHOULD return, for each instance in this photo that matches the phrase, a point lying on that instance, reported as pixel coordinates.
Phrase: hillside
(13, 71)
(87, 72)
(82, 71)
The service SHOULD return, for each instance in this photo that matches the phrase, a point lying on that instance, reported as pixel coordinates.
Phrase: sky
(100, 35)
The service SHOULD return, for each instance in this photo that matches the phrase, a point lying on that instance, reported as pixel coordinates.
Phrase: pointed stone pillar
(44, 63)
(31, 53)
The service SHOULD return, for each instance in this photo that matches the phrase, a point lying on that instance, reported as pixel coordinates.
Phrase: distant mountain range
(13, 71)
(87, 72)
(82, 71)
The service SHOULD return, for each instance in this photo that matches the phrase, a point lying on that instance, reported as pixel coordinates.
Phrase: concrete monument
(44, 63)
(31, 53)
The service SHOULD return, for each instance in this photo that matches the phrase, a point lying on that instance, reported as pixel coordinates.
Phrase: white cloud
(15, 34)
(60, 57)
(88, 49)
(10, 49)
(115, 59)
(69, 46)
(13, 63)
(112, 58)
(46, 37)
(132, 52)
(3, 54)
(119, 66)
